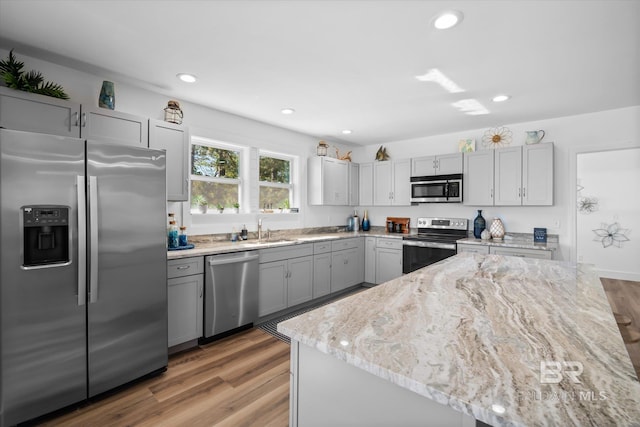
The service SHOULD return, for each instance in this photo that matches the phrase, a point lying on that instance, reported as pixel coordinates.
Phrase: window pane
(213, 193)
(274, 170)
(271, 197)
(214, 162)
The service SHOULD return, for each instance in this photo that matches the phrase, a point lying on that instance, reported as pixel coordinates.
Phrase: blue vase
(479, 224)
(107, 98)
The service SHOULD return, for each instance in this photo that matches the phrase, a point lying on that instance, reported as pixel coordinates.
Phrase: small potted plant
(199, 201)
(220, 208)
(236, 207)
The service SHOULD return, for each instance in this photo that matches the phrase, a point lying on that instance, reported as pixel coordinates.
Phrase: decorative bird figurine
(346, 157)
(382, 154)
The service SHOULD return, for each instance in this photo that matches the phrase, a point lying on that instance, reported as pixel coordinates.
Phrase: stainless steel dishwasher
(231, 292)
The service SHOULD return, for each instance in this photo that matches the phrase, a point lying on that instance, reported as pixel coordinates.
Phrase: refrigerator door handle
(82, 241)
(93, 235)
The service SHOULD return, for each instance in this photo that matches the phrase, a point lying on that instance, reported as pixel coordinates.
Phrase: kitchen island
(503, 340)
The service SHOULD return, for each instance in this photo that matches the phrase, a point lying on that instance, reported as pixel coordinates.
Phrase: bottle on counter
(172, 235)
(365, 222)
(244, 233)
(182, 236)
(356, 221)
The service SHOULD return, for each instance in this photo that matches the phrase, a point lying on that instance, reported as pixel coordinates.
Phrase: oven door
(417, 254)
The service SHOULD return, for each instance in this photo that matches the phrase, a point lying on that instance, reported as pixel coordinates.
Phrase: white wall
(613, 178)
(83, 88)
(589, 132)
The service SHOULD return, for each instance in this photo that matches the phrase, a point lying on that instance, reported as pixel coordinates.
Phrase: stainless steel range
(435, 241)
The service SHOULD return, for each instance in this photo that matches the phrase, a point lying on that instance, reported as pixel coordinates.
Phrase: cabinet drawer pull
(183, 267)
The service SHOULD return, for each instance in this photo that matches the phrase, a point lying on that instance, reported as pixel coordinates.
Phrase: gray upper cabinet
(328, 181)
(354, 184)
(44, 114)
(38, 113)
(365, 184)
(175, 140)
(437, 165)
(110, 126)
(478, 178)
(511, 176)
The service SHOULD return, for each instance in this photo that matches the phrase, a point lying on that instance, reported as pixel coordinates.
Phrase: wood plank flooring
(242, 380)
(624, 298)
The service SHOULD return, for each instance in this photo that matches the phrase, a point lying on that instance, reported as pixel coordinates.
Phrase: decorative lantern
(173, 113)
(322, 148)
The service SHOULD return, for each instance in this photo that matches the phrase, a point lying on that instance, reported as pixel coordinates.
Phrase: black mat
(271, 327)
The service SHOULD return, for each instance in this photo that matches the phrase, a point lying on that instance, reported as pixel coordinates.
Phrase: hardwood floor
(241, 380)
(624, 298)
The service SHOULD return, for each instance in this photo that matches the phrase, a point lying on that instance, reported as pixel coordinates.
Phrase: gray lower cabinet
(388, 259)
(286, 278)
(321, 269)
(185, 286)
(347, 259)
(501, 250)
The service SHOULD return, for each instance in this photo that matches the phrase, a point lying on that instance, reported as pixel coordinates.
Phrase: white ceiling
(349, 64)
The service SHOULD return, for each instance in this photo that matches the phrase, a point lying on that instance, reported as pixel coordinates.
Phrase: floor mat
(271, 327)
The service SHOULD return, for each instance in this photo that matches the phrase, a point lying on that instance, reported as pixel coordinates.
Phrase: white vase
(497, 229)
(485, 235)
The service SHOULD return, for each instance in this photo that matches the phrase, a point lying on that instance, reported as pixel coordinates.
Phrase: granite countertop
(472, 331)
(279, 239)
(516, 240)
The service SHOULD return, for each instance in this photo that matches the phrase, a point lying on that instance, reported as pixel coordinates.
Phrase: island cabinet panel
(175, 140)
(326, 391)
(185, 292)
(31, 112)
(523, 253)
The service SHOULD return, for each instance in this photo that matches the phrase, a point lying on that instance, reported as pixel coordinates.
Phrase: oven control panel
(443, 223)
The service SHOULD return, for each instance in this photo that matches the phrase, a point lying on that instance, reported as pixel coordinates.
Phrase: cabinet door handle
(84, 120)
(519, 192)
(183, 267)
(77, 116)
(491, 194)
(200, 291)
(524, 192)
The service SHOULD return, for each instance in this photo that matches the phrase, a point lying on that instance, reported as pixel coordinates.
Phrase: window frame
(291, 186)
(239, 182)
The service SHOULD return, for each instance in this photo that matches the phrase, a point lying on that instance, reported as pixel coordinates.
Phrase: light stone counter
(475, 331)
(204, 246)
(516, 240)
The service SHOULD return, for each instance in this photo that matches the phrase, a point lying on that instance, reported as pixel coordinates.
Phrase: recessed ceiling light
(187, 78)
(448, 19)
(287, 111)
(500, 98)
(346, 131)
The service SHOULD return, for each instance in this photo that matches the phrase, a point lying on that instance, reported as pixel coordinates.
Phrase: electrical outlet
(556, 224)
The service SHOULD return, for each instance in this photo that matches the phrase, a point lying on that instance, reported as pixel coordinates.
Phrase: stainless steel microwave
(437, 188)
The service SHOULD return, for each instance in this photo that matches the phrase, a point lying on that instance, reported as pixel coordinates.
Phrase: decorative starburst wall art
(611, 235)
(497, 137)
(587, 205)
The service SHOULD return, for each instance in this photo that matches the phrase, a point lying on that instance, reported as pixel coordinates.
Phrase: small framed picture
(539, 235)
(467, 145)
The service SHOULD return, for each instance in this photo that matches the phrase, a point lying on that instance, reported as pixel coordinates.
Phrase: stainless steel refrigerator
(83, 289)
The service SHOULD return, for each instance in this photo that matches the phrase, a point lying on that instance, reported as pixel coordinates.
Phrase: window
(275, 181)
(215, 175)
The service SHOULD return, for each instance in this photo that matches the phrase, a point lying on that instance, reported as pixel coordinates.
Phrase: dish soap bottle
(243, 232)
(356, 221)
(365, 222)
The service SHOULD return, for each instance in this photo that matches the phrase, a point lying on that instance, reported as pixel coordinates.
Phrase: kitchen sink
(312, 238)
(268, 243)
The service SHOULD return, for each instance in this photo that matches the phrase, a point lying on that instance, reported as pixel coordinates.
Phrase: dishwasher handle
(224, 260)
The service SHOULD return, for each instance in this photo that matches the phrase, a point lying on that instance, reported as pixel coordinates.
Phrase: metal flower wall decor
(497, 137)
(587, 205)
(611, 235)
